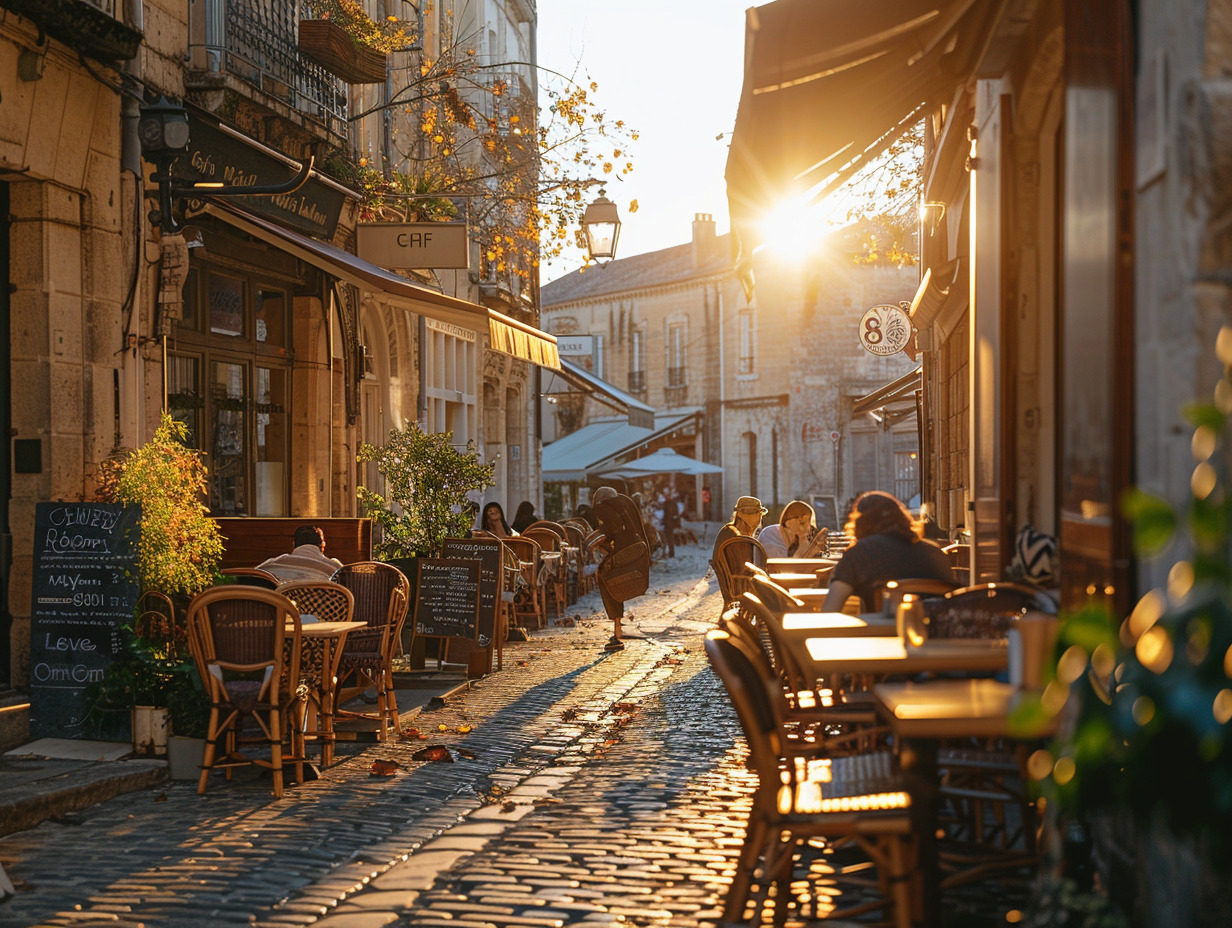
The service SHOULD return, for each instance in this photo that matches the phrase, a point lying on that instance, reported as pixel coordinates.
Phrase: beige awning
(897, 396)
(829, 84)
(506, 334)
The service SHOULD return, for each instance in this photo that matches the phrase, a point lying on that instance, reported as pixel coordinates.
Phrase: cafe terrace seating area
(891, 772)
(291, 665)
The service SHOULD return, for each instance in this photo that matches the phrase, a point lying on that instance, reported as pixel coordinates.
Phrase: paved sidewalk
(238, 856)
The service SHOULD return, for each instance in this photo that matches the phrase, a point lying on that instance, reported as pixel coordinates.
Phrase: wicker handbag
(625, 574)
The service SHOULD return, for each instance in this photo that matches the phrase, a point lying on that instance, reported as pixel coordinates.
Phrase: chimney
(703, 237)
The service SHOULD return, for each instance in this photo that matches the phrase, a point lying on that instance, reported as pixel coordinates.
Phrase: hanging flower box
(330, 46)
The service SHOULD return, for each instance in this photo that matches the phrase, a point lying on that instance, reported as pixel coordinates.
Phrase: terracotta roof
(653, 269)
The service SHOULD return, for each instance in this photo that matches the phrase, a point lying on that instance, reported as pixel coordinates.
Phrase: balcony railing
(676, 376)
(255, 41)
(637, 381)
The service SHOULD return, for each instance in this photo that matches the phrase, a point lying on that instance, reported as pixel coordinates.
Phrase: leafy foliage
(389, 35)
(427, 479)
(1154, 692)
(181, 547)
(469, 131)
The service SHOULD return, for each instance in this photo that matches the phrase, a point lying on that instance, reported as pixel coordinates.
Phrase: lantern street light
(602, 228)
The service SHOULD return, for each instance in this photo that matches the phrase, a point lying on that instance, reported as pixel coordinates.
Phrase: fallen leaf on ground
(521, 663)
(161, 797)
(624, 707)
(463, 752)
(508, 805)
(383, 768)
(436, 752)
(568, 715)
(464, 729)
(411, 734)
(442, 727)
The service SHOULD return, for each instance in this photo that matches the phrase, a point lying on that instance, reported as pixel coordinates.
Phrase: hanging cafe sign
(885, 329)
(219, 155)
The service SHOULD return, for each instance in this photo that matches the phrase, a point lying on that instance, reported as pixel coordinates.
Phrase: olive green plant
(1150, 697)
(181, 547)
(427, 479)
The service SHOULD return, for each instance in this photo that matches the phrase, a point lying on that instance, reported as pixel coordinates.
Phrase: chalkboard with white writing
(447, 598)
(84, 590)
(487, 551)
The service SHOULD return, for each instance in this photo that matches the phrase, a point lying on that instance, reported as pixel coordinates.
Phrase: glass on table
(911, 621)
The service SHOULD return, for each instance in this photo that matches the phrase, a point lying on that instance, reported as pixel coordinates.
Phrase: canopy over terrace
(829, 85)
(584, 453)
(663, 461)
(639, 413)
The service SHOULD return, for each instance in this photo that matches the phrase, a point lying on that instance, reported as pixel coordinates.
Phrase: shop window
(450, 378)
(229, 382)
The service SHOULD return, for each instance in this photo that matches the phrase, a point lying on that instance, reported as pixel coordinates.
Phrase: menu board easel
(447, 598)
(488, 552)
(84, 589)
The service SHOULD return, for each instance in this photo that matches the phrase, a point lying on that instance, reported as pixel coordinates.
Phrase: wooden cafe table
(805, 625)
(883, 655)
(922, 714)
(798, 565)
(320, 648)
(793, 579)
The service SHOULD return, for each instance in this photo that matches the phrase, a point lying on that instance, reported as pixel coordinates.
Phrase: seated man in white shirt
(307, 560)
(796, 533)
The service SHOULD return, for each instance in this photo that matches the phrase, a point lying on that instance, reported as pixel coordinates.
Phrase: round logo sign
(885, 329)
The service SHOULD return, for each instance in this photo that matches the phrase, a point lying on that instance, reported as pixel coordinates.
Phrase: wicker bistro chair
(861, 798)
(381, 593)
(252, 576)
(556, 585)
(732, 556)
(586, 569)
(529, 603)
(247, 643)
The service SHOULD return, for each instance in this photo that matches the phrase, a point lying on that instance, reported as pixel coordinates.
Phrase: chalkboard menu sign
(487, 551)
(447, 598)
(85, 588)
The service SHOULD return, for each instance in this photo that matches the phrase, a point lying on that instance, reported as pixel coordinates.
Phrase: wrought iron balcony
(676, 376)
(256, 42)
(637, 381)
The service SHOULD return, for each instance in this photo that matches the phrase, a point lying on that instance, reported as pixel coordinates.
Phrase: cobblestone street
(618, 773)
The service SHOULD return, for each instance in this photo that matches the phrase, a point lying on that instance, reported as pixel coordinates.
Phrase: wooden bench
(247, 541)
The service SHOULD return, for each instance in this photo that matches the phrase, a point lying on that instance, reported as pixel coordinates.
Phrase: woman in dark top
(525, 516)
(494, 521)
(887, 546)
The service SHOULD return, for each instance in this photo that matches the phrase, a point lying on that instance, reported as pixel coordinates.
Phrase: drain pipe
(130, 163)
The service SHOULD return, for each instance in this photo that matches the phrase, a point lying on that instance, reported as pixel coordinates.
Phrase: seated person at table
(795, 534)
(887, 546)
(494, 521)
(525, 516)
(745, 520)
(307, 560)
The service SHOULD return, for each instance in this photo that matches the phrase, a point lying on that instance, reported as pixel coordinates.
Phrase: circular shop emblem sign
(885, 329)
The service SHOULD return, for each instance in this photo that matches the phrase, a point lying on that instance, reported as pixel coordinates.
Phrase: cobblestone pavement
(585, 788)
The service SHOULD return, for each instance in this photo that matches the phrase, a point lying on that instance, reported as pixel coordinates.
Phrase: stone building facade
(769, 379)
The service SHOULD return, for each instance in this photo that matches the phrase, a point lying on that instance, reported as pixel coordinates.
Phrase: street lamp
(602, 228)
(163, 130)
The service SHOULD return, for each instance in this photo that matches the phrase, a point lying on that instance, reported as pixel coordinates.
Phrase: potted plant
(1146, 760)
(345, 41)
(425, 501)
(178, 556)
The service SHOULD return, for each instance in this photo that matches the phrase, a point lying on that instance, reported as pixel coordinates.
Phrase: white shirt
(771, 538)
(305, 562)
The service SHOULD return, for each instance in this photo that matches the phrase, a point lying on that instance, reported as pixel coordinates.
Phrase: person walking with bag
(624, 573)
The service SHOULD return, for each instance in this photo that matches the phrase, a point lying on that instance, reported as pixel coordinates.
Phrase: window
(450, 356)
(229, 382)
(748, 343)
(675, 355)
(637, 361)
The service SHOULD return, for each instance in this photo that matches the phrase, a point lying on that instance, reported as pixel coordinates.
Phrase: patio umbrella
(663, 461)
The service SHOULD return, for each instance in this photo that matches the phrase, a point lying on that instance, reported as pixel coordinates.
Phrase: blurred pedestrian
(670, 505)
(624, 572)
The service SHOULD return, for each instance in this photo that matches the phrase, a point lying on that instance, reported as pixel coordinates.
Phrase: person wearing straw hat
(746, 520)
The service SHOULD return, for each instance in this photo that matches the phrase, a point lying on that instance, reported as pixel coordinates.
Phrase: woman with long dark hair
(494, 521)
(888, 546)
(525, 517)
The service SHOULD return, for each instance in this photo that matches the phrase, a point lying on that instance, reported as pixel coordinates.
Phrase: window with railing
(747, 362)
(675, 355)
(255, 40)
(637, 361)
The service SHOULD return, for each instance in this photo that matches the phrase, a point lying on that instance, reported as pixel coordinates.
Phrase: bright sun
(795, 229)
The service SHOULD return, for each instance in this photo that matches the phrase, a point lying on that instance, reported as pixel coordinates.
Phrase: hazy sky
(672, 70)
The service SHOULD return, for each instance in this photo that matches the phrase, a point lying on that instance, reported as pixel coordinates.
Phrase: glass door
(271, 441)
(228, 439)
